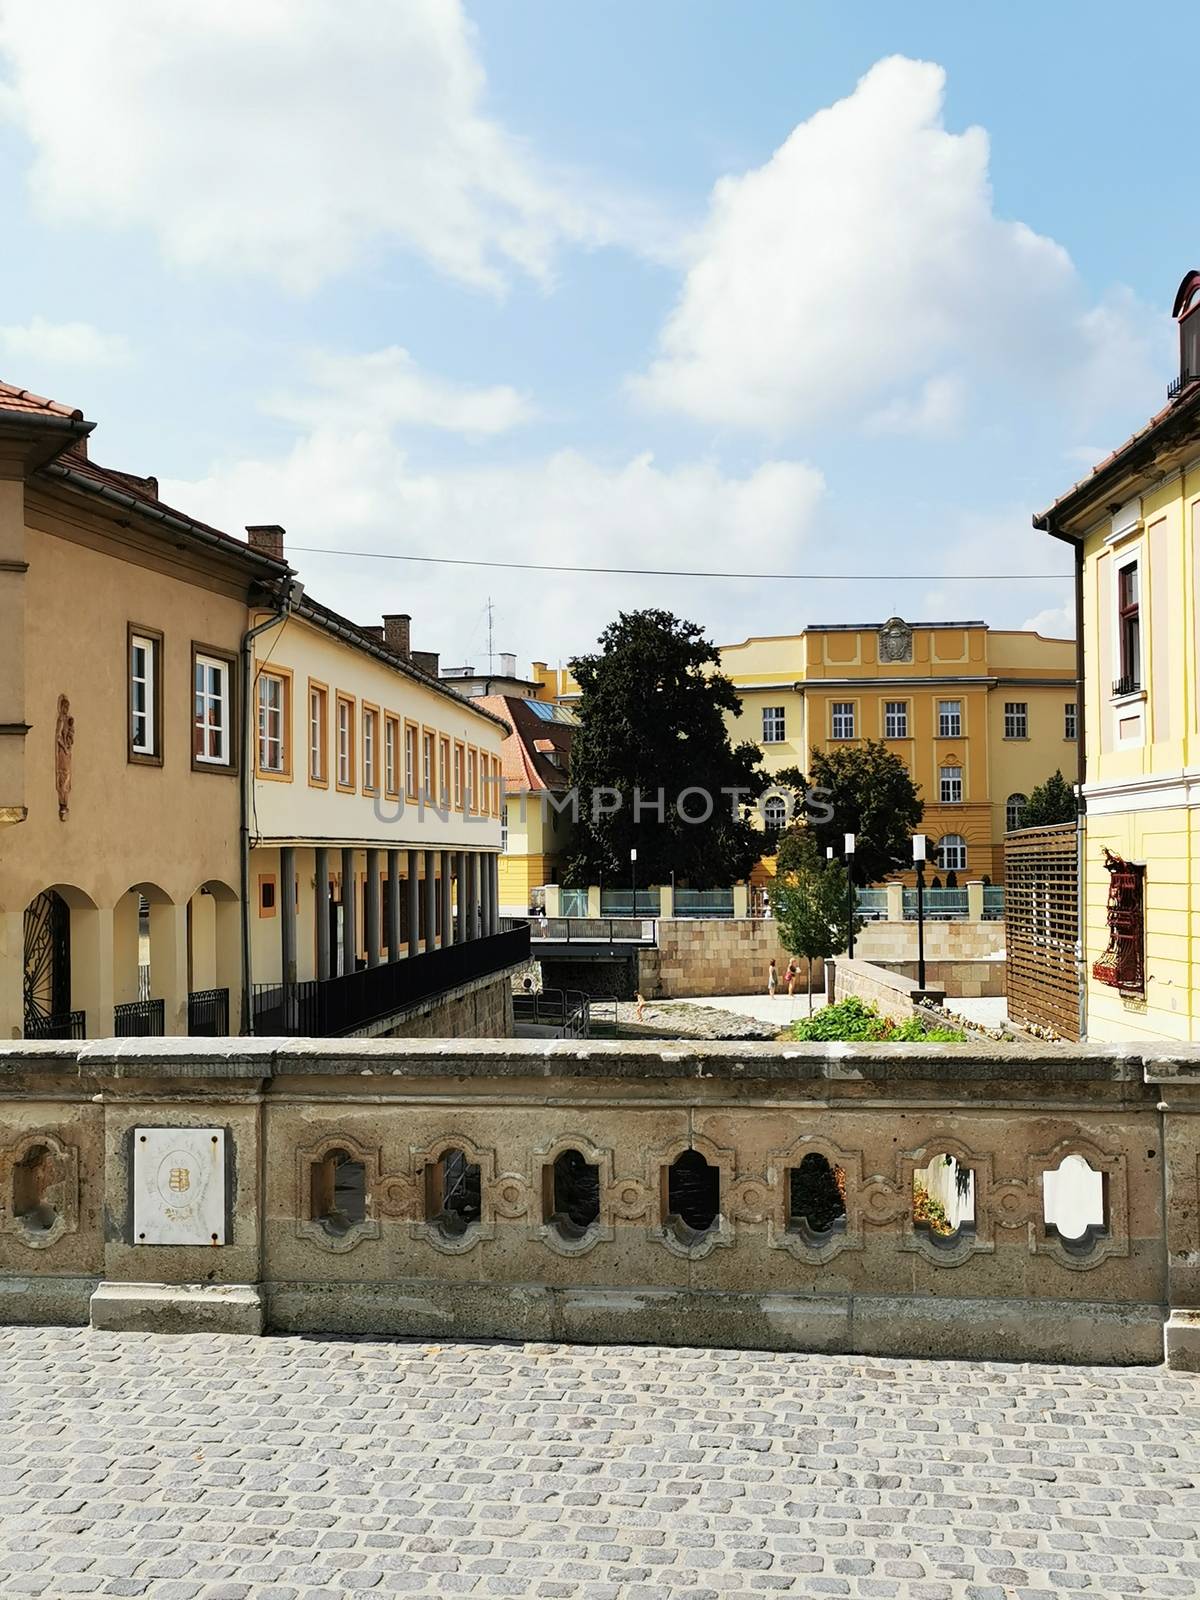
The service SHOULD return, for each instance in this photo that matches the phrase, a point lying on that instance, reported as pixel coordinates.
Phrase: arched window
(775, 811)
(1187, 312)
(1014, 811)
(952, 852)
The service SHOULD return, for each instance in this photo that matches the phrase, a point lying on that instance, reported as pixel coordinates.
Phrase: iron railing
(333, 1007)
(620, 903)
(993, 902)
(1130, 683)
(208, 1013)
(941, 905)
(1179, 384)
(587, 930)
(566, 1010)
(703, 902)
(60, 1025)
(139, 1019)
(871, 904)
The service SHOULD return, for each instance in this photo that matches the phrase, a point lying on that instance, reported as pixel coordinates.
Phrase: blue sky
(778, 288)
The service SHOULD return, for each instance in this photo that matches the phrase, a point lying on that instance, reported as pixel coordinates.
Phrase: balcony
(332, 1007)
(1177, 385)
(1129, 684)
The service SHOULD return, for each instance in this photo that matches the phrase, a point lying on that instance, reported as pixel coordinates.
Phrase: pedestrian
(793, 972)
(772, 978)
(641, 1007)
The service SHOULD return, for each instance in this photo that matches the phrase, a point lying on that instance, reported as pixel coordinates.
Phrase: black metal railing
(588, 930)
(138, 1019)
(208, 1013)
(1129, 684)
(61, 1025)
(565, 1010)
(1179, 384)
(335, 1006)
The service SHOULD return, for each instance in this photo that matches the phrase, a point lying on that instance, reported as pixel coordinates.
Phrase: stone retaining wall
(258, 1229)
(702, 956)
(891, 993)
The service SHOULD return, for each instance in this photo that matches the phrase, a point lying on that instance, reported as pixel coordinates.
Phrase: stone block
(177, 1308)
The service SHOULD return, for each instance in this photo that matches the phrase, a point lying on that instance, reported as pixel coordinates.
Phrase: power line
(672, 572)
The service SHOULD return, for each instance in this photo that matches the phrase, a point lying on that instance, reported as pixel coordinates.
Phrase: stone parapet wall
(944, 941)
(261, 1237)
(956, 979)
(891, 993)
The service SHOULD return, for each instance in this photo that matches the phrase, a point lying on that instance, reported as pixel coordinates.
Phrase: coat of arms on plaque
(895, 640)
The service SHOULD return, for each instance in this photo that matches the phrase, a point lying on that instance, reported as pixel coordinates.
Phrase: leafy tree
(810, 902)
(653, 744)
(860, 789)
(1051, 802)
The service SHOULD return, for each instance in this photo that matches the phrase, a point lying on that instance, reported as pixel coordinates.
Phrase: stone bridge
(882, 1199)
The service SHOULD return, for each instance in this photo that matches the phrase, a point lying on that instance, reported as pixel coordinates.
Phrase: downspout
(1081, 776)
(284, 604)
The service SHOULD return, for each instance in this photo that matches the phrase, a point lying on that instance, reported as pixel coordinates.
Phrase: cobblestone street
(206, 1468)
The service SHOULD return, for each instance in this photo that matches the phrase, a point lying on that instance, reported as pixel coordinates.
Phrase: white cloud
(358, 491)
(68, 344)
(386, 388)
(1057, 622)
(286, 137)
(936, 409)
(864, 263)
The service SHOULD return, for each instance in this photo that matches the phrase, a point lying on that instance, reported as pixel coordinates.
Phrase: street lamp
(850, 888)
(918, 849)
(633, 879)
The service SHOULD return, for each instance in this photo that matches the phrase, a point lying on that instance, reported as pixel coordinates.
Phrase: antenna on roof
(491, 634)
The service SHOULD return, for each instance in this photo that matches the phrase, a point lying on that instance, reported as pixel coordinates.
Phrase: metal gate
(47, 969)
(1041, 922)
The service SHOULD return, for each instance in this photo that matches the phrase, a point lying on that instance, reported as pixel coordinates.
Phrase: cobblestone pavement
(273, 1469)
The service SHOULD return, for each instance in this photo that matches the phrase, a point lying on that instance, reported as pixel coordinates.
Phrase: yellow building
(980, 716)
(1134, 524)
(538, 818)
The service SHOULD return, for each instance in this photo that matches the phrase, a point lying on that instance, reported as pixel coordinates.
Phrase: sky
(780, 290)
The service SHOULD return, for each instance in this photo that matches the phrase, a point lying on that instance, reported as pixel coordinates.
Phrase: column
(741, 900)
(666, 901)
(126, 948)
(593, 902)
(286, 897)
(894, 893)
(447, 911)
(472, 896)
(306, 916)
(92, 968)
(168, 963)
(322, 914)
(349, 913)
(975, 900)
(392, 905)
(227, 918)
(493, 862)
(430, 904)
(412, 893)
(372, 904)
(460, 932)
(12, 974)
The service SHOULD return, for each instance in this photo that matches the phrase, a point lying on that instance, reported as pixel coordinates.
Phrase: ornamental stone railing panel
(890, 1199)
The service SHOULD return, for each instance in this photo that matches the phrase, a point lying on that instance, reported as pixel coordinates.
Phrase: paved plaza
(220, 1468)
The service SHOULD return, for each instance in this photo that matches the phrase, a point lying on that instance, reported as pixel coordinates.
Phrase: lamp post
(633, 879)
(850, 889)
(918, 850)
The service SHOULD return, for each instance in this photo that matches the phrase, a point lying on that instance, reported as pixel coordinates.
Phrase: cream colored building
(377, 797)
(119, 814)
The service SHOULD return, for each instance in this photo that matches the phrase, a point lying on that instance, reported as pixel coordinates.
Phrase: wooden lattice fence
(1041, 918)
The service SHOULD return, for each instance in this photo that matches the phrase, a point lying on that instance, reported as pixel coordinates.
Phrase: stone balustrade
(889, 1199)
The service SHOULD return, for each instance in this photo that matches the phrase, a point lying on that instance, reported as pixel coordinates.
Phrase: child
(772, 978)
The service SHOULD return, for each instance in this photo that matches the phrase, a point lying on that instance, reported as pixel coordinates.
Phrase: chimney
(427, 660)
(267, 539)
(372, 632)
(508, 665)
(397, 626)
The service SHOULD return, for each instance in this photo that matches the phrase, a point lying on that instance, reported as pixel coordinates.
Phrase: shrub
(854, 1020)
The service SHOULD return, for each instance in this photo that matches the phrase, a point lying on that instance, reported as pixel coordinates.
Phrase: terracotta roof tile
(1179, 406)
(14, 399)
(525, 762)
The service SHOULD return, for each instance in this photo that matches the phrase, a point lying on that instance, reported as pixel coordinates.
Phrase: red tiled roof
(524, 755)
(14, 399)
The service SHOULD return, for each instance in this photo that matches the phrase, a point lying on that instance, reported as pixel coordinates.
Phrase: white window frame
(959, 864)
(1009, 825)
(272, 705)
(147, 682)
(841, 719)
(895, 719)
(1016, 713)
(318, 718)
(775, 806)
(1131, 558)
(950, 785)
(1071, 720)
(370, 729)
(391, 755)
(203, 701)
(345, 744)
(774, 724)
(950, 721)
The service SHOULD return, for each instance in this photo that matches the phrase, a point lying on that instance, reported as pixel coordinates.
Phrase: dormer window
(1186, 312)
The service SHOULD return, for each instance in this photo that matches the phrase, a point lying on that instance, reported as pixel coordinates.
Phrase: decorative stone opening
(571, 1195)
(453, 1193)
(339, 1192)
(34, 1178)
(816, 1199)
(1075, 1205)
(943, 1201)
(693, 1197)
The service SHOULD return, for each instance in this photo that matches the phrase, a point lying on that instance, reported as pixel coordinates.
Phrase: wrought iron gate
(47, 971)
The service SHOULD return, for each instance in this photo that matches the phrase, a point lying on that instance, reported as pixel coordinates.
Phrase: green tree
(1052, 801)
(860, 789)
(810, 902)
(653, 764)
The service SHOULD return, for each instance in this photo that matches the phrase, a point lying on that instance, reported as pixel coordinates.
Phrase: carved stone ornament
(314, 1229)
(64, 740)
(895, 640)
(39, 1190)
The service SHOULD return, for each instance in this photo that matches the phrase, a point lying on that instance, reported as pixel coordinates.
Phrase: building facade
(119, 801)
(1134, 526)
(980, 716)
(538, 815)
